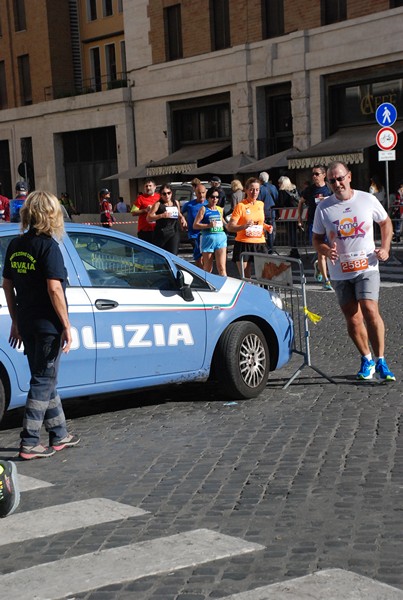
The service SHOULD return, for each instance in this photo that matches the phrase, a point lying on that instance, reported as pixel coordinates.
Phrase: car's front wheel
(242, 361)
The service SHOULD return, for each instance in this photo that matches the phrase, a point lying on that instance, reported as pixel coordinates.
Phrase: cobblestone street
(308, 479)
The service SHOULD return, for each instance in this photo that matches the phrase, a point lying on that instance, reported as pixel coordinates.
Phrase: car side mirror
(184, 281)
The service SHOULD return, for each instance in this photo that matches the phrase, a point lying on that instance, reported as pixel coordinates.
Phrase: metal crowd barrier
(285, 276)
(286, 232)
(287, 235)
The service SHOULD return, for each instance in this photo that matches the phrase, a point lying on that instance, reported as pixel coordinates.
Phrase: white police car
(142, 317)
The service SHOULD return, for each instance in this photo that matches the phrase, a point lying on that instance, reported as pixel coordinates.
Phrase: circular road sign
(386, 138)
(386, 114)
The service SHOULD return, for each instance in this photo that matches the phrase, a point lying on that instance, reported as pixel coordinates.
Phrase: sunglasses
(166, 193)
(214, 196)
(316, 174)
(333, 180)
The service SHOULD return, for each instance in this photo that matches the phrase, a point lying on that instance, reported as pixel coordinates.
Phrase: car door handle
(105, 304)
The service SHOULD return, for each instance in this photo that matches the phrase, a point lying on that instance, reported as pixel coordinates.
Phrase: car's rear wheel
(242, 360)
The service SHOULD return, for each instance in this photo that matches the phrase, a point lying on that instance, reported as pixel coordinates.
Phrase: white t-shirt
(349, 223)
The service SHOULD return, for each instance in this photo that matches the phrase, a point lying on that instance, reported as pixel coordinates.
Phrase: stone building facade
(191, 81)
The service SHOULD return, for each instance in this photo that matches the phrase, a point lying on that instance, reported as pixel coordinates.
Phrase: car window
(111, 262)
(198, 282)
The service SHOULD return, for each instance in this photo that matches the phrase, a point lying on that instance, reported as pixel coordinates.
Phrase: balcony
(86, 86)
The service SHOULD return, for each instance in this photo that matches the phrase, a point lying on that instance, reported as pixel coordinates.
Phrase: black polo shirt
(30, 260)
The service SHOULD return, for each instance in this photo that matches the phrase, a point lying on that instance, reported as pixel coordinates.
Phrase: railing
(288, 236)
(86, 86)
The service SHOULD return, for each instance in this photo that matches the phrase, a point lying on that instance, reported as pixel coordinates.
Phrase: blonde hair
(285, 183)
(42, 212)
(236, 185)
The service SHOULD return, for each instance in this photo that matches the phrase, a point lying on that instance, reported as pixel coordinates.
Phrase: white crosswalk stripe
(22, 526)
(65, 577)
(330, 584)
(30, 483)
(87, 572)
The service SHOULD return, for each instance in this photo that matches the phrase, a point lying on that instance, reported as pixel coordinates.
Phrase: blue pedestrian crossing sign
(386, 114)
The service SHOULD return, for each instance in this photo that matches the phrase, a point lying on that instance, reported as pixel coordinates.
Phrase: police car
(142, 317)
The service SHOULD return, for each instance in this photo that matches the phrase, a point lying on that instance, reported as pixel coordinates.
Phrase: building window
(275, 132)
(92, 10)
(173, 32)
(333, 11)
(19, 15)
(220, 26)
(25, 79)
(209, 123)
(3, 86)
(396, 3)
(96, 79)
(107, 8)
(110, 58)
(272, 18)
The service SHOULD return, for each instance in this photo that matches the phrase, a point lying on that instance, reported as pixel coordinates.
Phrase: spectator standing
(35, 292)
(216, 187)
(194, 183)
(68, 204)
(248, 222)
(397, 213)
(166, 214)
(376, 188)
(4, 206)
(142, 206)
(190, 209)
(268, 195)
(237, 193)
(105, 208)
(288, 197)
(312, 195)
(121, 206)
(21, 188)
(346, 219)
(210, 221)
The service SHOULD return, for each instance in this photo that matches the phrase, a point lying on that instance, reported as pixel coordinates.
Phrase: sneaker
(327, 286)
(318, 275)
(382, 370)
(367, 369)
(9, 490)
(67, 442)
(39, 451)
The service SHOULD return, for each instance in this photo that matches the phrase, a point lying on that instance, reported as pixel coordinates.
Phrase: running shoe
(367, 369)
(9, 490)
(318, 275)
(327, 286)
(383, 372)
(39, 451)
(67, 442)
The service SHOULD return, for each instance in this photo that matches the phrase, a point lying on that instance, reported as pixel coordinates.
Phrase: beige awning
(269, 162)
(185, 160)
(134, 173)
(346, 145)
